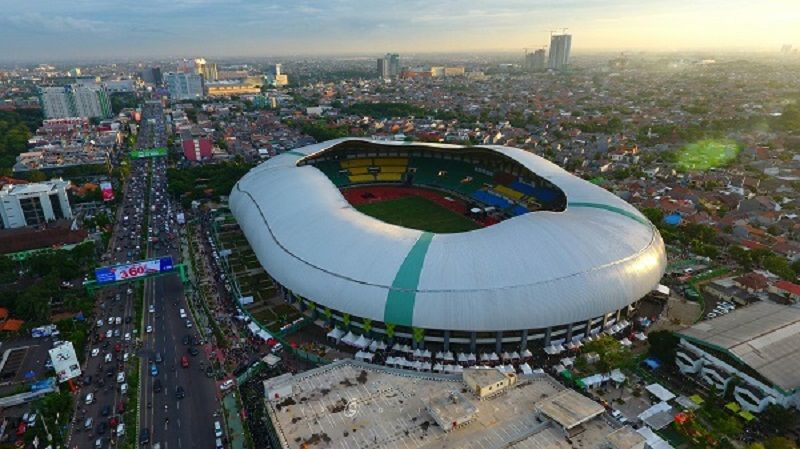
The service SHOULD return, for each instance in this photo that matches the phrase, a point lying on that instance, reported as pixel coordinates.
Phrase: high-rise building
(151, 75)
(389, 66)
(535, 61)
(560, 47)
(75, 100)
(184, 86)
(207, 69)
(34, 204)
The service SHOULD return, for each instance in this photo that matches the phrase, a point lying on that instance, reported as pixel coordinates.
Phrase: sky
(44, 30)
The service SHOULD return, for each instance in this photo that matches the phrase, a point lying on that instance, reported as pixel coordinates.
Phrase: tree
(612, 354)
(662, 345)
(779, 443)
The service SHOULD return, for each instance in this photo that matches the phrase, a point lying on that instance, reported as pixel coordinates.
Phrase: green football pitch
(418, 213)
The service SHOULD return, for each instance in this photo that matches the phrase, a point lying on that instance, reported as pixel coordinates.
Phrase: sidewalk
(235, 429)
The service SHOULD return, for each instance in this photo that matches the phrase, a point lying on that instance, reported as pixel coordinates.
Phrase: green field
(707, 154)
(418, 213)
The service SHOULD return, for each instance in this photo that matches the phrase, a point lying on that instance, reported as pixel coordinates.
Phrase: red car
(185, 362)
(117, 347)
(121, 408)
(113, 421)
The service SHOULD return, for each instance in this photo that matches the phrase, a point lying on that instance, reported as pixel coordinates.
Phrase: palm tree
(390, 332)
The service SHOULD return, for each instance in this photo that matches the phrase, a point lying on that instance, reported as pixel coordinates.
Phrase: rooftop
(764, 336)
(362, 405)
(569, 408)
(625, 438)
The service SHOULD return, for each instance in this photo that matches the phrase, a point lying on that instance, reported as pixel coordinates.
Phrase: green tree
(778, 442)
(663, 345)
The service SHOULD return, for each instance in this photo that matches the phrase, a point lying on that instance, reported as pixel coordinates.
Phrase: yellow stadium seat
(508, 192)
(385, 169)
(361, 178)
(350, 163)
(389, 177)
(358, 170)
(401, 161)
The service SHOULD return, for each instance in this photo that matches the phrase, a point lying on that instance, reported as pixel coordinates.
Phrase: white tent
(397, 347)
(426, 354)
(471, 357)
(390, 361)
(448, 356)
(660, 392)
(625, 342)
(484, 357)
(449, 368)
(640, 336)
(515, 355)
(505, 356)
(349, 339)
(264, 335)
(438, 368)
(525, 368)
(439, 355)
(527, 353)
(458, 369)
(538, 371)
(361, 342)
(462, 357)
(417, 353)
(381, 346)
(426, 366)
(493, 357)
(405, 348)
(335, 334)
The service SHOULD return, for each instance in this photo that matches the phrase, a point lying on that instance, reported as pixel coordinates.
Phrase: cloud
(37, 22)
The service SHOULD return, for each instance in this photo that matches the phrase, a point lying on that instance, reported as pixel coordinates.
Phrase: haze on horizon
(42, 30)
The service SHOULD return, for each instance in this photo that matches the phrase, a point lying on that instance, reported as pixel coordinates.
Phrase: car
(128, 319)
(118, 320)
(110, 320)
(125, 357)
(226, 385)
(95, 352)
(158, 358)
(109, 333)
(187, 340)
(127, 336)
(106, 410)
(108, 357)
(182, 313)
(89, 398)
(184, 361)
(109, 372)
(113, 421)
(117, 347)
(120, 429)
(217, 429)
(87, 380)
(179, 393)
(98, 443)
(123, 389)
(102, 427)
(144, 436)
(100, 323)
(88, 423)
(121, 407)
(218, 443)
(121, 377)
(193, 351)
(117, 333)
(157, 386)
(153, 370)
(149, 329)
(151, 308)
(188, 324)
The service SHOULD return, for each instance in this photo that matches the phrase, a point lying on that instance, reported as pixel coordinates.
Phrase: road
(166, 419)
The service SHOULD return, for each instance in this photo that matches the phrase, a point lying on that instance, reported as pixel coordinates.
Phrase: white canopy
(493, 357)
(471, 357)
(448, 356)
(438, 367)
(484, 357)
(361, 342)
(462, 357)
(527, 353)
(505, 356)
(426, 354)
(525, 368)
(514, 355)
(349, 339)
(625, 342)
(336, 333)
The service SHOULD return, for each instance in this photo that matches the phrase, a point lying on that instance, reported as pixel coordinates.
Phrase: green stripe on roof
(294, 153)
(616, 210)
(399, 308)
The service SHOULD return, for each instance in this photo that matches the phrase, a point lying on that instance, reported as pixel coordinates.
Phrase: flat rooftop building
(759, 344)
(350, 404)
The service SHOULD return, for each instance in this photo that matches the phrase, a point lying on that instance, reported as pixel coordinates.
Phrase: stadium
(455, 247)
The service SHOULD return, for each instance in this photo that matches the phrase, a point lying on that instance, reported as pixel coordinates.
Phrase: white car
(100, 323)
(120, 377)
(149, 329)
(95, 352)
(118, 320)
(188, 323)
(125, 357)
(226, 385)
(123, 388)
(108, 358)
(109, 333)
(110, 320)
(151, 308)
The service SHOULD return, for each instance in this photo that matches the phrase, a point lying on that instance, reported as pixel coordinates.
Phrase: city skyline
(90, 29)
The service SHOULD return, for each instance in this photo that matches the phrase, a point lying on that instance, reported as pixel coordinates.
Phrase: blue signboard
(105, 275)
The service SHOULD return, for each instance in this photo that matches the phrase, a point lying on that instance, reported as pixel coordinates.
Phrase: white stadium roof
(532, 271)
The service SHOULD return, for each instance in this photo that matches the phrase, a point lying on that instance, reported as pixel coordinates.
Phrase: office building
(184, 86)
(560, 47)
(34, 204)
(389, 66)
(151, 75)
(207, 69)
(535, 61)
(75, 100)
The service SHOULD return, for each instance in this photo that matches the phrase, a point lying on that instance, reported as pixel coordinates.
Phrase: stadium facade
(570, 259)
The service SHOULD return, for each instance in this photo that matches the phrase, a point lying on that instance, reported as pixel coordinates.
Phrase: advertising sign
(107, 190)
(124, 272)
(65, 362)
(150, 152)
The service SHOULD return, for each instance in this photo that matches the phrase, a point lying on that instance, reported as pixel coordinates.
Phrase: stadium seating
(393, 169)
(357, 179)
(332, 170)
(508, 192)
(542, 194)
(391, 161)
(518, 210)
(358, 170)
(350, 163)
(389, 177)
(491, 199)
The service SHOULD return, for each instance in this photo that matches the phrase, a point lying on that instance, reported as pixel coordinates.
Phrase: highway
(165, 419)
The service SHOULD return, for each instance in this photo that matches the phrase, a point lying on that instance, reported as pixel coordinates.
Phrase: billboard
(134, 270)
(107, 190)
(65, 362)
(150, 152)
